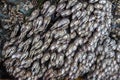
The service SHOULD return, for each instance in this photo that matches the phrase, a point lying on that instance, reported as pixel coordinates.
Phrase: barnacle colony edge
(61, 39)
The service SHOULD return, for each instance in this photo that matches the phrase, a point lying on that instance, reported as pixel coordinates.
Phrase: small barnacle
(59, 60)
(83, 14)
(60, 7)
(102, 1)
(26, 63)
(45, 46)
(36, 39)
(53, 59)
(61, 23)
(15, 31)
(93, 1)
(35, 68)
(38, 22)
(73, 35)
(71, 3)
(37, 55)
(77, 7)
(92, 18)
(37, 45)
(10, 51)
(34, 14)
(63, 32)
(26, 27)
(27, 42)
(90, 8)
(74, 23)
(50, 10)
(84, 5)
(45, 58)
(24, 55)
(73, 68)
(45, 7)
(71, 49)
(16, 56)
(98, 6)
(65, 13)
(32, 53)
(46, 21)
(76, 14)
(97, 12)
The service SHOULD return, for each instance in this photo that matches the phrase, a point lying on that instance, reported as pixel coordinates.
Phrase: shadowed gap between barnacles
(4, 74)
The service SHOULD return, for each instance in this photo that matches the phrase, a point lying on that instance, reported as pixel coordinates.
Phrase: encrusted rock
(71, 39)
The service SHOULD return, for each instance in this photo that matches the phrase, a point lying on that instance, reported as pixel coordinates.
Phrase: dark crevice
(4, 74)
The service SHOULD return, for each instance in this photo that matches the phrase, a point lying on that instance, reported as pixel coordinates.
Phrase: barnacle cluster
(62, 39)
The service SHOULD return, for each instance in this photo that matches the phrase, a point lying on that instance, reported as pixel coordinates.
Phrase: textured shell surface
(93, 1)
(60, 7)
(45, 58)
(65, 13)
(51, 10)
(38, 22)
(45, 7)
(34, 14)
(61, 23)
(60, 39)
(77, 7)
(71, 3)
